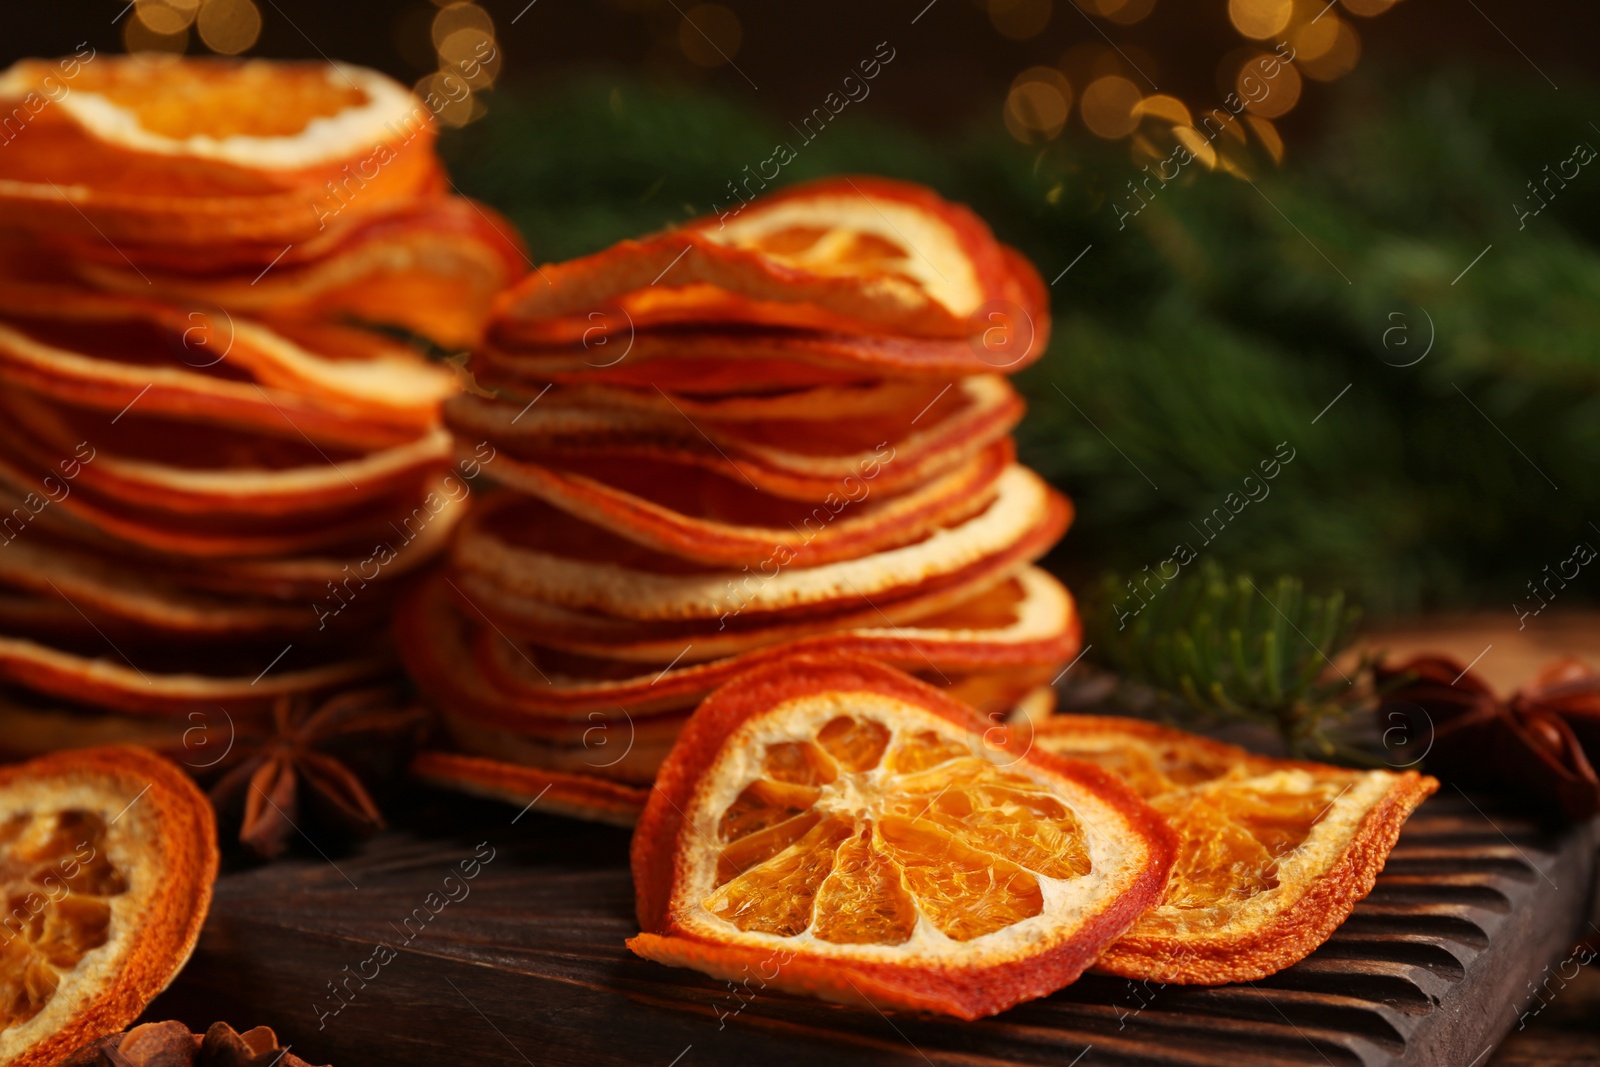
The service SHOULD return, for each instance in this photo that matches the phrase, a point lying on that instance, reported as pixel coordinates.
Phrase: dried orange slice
(845, 829)
(709, 517)
(186, 469)
(325, 384)
(1273, 854)
(579, 795)
(108, 681)
(730, 352)
(798, 459)
(114, 593)
(1027, 621)
(858, 255)
(512, 700)
(433, 270)
(557, 559)
(107, 857)
(198, 152)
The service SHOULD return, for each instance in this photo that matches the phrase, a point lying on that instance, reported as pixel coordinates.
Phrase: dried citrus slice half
(843, 831)
(1273, 854)
(107, 856)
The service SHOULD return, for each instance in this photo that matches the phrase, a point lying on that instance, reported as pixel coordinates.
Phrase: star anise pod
(1540, 745)
(170, 1044)
(304, 773)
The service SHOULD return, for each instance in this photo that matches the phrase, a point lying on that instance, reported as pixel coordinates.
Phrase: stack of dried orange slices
(212, 467)
(829, 826)
(780, 431)
(185, 179)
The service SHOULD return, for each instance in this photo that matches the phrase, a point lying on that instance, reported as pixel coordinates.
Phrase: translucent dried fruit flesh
(1151, 772)
(56, 880)
(776, 897)
(182, 101)
(832, 250)
(862, 836)
(1233, 839)
(863, 901)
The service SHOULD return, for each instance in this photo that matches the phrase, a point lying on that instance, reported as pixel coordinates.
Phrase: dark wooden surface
(530, 967)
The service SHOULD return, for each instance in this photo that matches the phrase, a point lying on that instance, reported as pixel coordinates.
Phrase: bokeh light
(461, 45)
(1020, 20)
(472, 53)
(1123, 12)
(228, 27)
(1368, 8)
(457, 17)
(1167, 108)
(1260, 19)
(1268, 135)
(1196, 143)
(710, 35)
(449, 97)
(1110, 106)
(1038, 104)
(1268, 86)
(166, 18)
(138, 36)
(1338, 58)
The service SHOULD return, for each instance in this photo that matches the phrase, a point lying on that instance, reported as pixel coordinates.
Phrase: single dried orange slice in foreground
(1273, 854)
(831, 826)
(107, 858)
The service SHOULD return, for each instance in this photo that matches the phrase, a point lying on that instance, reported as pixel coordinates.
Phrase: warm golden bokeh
(1038, 104)
(1298, 40)
(1338, 58)
(1260, 19)
(457, 17)
(229, 27)
(167, 18)
(1268, 86)
(1110, 107)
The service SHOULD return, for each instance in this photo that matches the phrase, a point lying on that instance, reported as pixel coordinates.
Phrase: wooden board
(528, 966)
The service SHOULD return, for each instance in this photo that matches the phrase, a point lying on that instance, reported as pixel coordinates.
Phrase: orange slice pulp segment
(854, 839)
(42, 853)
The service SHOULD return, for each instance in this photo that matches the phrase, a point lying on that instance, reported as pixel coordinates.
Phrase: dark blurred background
(1385, 266)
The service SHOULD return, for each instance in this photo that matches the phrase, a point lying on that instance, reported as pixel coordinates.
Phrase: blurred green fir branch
(1221, 320)
(1207, 648)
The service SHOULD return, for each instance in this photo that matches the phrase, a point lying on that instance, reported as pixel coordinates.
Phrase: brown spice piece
(301, 776)
(1540, 744)
(170, 1044)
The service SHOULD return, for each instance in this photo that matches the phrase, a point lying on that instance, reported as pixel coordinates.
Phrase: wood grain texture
(529, 966)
